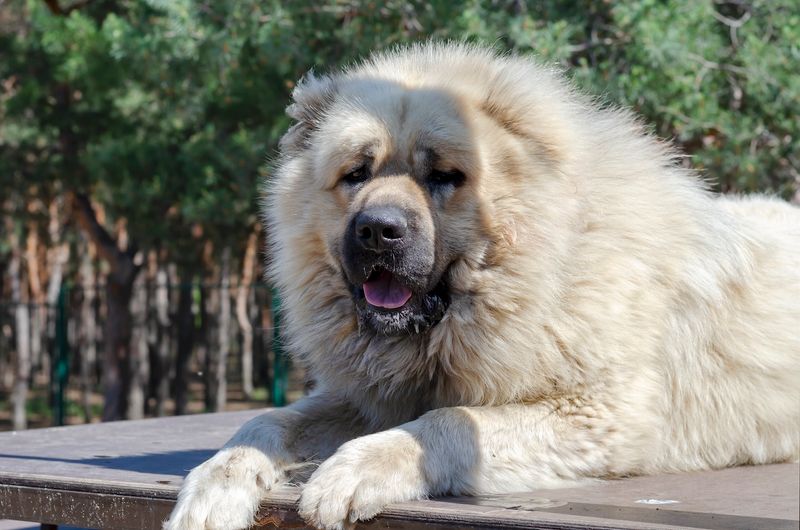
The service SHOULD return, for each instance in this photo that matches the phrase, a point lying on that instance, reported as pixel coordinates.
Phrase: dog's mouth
(387, 303)
(385, 290)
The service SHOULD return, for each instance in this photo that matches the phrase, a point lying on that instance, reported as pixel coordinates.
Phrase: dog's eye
(452, 177)
(356, 176)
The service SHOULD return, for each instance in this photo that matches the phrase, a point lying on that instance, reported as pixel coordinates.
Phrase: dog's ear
(311, 97)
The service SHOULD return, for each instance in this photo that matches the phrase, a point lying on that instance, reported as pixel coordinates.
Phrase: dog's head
(397, 181)
(394, 175)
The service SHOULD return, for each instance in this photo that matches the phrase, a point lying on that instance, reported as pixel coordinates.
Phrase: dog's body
(548, 298)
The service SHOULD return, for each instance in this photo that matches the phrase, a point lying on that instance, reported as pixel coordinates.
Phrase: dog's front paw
(361, 478)
(225, 491)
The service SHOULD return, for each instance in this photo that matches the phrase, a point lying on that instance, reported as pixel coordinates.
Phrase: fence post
(280, 371)
(60, 370)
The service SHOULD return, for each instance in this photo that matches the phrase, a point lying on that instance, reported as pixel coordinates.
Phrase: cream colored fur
(609, 315)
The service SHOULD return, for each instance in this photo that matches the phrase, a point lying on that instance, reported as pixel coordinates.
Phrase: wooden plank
(126, 475)
(85, 510)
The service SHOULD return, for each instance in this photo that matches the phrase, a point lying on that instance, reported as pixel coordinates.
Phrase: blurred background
(134, 136)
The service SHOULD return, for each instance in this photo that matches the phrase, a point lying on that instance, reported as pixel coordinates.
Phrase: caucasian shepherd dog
(498, 285)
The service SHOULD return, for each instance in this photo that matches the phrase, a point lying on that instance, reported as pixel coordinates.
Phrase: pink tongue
(385, 291)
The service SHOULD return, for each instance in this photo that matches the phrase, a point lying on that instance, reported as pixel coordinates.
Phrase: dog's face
(395, 172)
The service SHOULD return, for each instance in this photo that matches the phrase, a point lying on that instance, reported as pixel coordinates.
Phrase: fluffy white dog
(499, 286)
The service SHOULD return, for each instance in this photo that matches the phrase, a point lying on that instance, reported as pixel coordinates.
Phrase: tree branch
(56, 9)
(86, 217)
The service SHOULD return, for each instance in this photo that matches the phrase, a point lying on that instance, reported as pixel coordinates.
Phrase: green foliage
(39, 407)
(166, 109)
(719, 79)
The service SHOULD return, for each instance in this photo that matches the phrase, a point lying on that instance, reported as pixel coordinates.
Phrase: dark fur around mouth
(419, 314)
(410, 260)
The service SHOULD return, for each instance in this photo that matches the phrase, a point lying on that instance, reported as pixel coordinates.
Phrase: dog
(497, 285)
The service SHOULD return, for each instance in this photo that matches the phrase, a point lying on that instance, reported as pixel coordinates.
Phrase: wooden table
(126, 475)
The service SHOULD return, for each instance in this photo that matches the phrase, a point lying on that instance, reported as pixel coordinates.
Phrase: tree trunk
(57, 257)
(224, 325)
(19, 300)
(248, 264)
(116, 355)
(207, 350)
(36, 311)
(117, 328)
(262, 301)
(87, 330)
(138, 360)
(162, 339)
(185, 322)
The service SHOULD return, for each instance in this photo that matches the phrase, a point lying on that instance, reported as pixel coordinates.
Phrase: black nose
(381, 228)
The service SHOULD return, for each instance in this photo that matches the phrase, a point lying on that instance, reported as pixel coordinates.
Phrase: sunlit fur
(609, 315)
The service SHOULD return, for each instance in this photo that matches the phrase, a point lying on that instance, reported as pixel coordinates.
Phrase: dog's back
(738, 402)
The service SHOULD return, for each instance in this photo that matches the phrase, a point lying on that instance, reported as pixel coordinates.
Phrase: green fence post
(280, 371)
(60, 370)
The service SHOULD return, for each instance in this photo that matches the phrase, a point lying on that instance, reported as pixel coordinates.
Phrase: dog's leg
(225, 491)
(461, 450)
